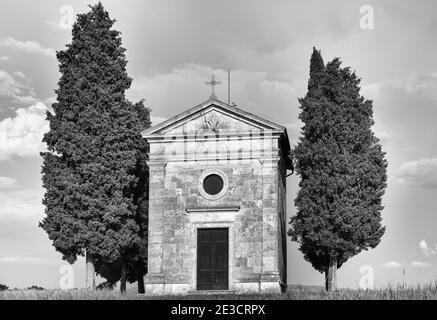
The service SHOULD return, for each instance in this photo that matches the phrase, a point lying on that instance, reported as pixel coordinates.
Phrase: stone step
(212, 292)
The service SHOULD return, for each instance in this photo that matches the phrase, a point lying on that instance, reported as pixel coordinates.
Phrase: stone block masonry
(243, 157)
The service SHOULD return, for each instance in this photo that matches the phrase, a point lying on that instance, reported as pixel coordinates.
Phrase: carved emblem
(209, 124)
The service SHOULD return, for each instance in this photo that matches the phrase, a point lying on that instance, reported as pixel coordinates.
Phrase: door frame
(199, 220)
(227, 256)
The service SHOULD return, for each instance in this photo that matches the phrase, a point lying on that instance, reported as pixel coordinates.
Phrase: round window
(213, 184)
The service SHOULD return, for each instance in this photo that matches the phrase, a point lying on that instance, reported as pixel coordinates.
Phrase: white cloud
(22, 135)
(420, 264)
(27, 46)
(50, 100)
(25, 100)
(20, 74)
(16, 88)
(425, 249)
(424, 84)
(421, 83)
(392, 264)
(4, 58)
(9, 84)
(22, 204)
(7, 182)
(27, 260)
(421, 173)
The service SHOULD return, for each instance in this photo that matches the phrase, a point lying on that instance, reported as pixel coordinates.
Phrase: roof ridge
(206, 104)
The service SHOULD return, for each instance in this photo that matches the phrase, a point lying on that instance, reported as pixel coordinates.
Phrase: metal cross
(212, 83)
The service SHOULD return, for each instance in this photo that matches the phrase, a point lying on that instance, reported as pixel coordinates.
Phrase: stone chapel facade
(217, 209)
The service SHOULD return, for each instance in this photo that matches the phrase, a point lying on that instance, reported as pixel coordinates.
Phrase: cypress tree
(94, 171)
(342, 169)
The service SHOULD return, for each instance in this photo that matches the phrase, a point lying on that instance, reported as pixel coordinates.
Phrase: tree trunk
(90, 272)
(331, 275)
(140, 277)
(140, 281)
(123, 277)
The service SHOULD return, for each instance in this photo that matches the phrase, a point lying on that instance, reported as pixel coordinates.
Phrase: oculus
(213, 184)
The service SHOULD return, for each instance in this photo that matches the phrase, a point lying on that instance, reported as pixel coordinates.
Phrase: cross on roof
(212, 83)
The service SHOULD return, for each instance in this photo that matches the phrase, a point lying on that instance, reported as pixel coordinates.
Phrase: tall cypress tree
(342, 169)
(136, 257)
(94, 171)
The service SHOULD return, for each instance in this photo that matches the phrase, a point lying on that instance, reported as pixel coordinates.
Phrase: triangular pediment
(212, 116)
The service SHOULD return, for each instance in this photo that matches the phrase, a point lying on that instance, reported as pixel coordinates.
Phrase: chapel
(217, 202)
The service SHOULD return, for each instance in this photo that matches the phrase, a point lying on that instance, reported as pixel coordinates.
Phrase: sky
(173, 47)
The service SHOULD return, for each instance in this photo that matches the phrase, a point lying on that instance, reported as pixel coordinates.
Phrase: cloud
(419, 173)
(419, 83)
(32, 47)
(392, 264)
(420, 264)
(49, 101)
(7, 182)
(405, 104)
(20, 74)
(21, 205)
(22, 135)
(59, 26)
(422, 84)
(9, 84)
(425, 249)
(15, 88)
(26, 260)
(240, 39)
(25, 100)
(268, 95)
(4, 58)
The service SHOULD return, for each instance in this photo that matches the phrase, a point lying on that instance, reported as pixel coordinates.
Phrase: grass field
(428, 292)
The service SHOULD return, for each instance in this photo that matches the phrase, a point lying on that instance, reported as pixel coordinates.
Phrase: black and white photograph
(246, 151)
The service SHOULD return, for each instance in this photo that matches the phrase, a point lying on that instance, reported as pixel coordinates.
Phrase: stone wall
(253, 208)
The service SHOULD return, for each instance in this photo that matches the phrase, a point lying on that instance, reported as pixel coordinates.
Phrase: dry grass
(428, 292)
(81, 294)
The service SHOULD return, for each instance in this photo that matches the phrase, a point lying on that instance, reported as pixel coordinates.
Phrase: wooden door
(212, 259)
